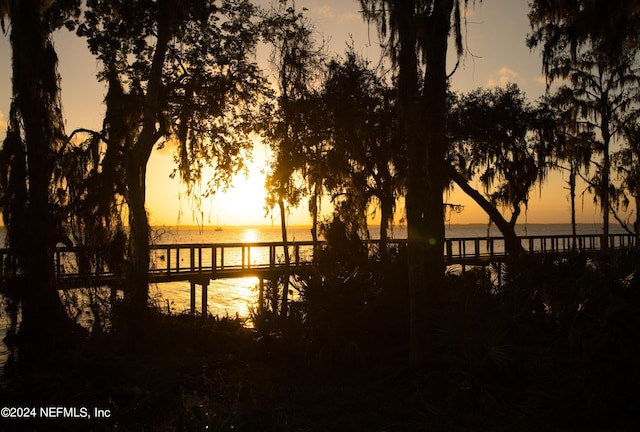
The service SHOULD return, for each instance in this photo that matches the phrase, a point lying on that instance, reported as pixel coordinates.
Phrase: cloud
(502, 77)
(350, 17)
(325, 11)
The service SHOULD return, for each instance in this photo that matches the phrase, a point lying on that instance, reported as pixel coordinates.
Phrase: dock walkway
(201, 263)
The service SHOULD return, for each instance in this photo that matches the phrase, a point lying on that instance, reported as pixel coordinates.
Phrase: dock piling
(192, 298)
(205, 295)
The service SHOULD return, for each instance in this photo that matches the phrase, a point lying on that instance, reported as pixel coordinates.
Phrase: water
(229, 297)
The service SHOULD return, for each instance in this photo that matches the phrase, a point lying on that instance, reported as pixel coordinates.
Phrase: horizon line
(215, 226)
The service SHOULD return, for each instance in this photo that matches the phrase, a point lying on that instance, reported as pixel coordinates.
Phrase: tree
(179, 72)
(499, 138)
(365, 161)
(564, 27)
(418, 33)
(595, 61)
(572, 152)
(599, 102)
(35, 132)
(296, 60)
(627, 165)
(90, 189)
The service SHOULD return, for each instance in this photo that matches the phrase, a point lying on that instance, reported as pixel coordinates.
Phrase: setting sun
(243, 203)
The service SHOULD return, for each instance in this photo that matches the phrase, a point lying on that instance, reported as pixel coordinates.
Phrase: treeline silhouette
(397, 342)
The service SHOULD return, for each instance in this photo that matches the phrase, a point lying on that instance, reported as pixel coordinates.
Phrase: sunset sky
(497, 54)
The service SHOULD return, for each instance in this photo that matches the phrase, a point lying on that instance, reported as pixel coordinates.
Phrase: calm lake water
(229, 297)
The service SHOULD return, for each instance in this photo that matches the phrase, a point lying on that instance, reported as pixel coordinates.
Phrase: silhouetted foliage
(35, 133)
(596, 65)
(479, 368)
(571, 153)
(627, 164)
(365, 159)
(565, 27)
(90, 200)
(296, 59)
(356, 308)
(498, 137)
(178, 73)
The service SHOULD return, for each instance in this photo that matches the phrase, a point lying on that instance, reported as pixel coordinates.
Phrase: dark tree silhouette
(627, 164)
(564, 27)
(296, 60)
(572, 152)
(90, 185)
(599, 103)
(365, 160)
(35, 132)
(178, 72)
(596, 63)
(418, 33)
(498, 137)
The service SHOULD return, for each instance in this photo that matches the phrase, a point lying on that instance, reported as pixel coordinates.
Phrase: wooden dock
(198, 264)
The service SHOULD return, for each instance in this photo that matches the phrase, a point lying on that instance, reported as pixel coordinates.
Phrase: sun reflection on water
(250, 235)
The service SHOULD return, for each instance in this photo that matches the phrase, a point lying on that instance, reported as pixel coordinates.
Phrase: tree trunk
(432, 175)
(386, 211)
(512, 243)
(408, 120)
(287, 261)
(313, 204)
(605, 192)
(434, 113)
(139, 233)
(572, 193)
(423, 126)
(636, 225)
(136, 166)
(36, 102)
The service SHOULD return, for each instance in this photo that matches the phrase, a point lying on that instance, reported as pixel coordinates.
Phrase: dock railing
(190, 261)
